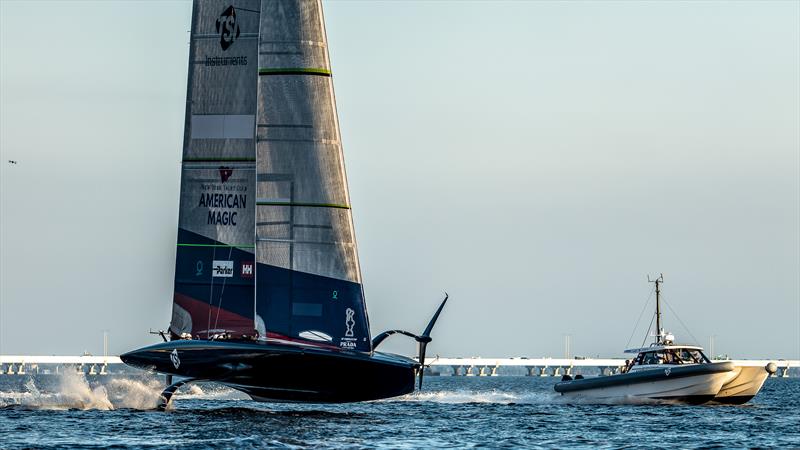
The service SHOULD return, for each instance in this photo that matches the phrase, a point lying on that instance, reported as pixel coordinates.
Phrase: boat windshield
(689, 356)
(671, 356)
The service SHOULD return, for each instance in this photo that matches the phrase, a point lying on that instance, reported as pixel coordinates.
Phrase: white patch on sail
(181, 320)
(223, 126)
(261, 328)
(313, 335)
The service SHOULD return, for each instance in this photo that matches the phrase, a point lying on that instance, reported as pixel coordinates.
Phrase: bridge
(562, 366)
(29, 364)
(104, 365)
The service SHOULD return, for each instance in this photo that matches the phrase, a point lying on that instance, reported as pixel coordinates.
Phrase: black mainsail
(268, 296)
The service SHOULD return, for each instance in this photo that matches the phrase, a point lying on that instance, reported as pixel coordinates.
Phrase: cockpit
(674, 355)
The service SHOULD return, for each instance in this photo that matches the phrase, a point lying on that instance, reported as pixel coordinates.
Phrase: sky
(536, 160)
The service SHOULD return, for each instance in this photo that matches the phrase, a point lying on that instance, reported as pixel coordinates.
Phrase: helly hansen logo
(222, 269)
(227, 28)
(247, 269)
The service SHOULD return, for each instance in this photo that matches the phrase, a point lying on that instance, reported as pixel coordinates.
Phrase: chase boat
(662, 371)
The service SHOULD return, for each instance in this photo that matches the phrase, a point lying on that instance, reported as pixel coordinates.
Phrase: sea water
(69, 411)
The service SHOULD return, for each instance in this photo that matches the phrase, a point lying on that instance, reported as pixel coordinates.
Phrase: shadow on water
(234, 412)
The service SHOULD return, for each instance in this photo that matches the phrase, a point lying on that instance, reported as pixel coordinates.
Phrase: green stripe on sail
(313, 205)
(216, 245)
(294, 71)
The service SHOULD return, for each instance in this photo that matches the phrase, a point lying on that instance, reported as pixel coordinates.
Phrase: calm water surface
(67, 411)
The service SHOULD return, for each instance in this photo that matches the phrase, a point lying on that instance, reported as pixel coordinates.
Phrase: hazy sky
(535, 159)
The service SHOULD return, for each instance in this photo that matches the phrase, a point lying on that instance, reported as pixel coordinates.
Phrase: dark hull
(688, 399)
(277, 372)
(734, 399)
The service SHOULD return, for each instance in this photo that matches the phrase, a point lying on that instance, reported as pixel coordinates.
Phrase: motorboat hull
(280, 372)
(694, 384)
(743, 384)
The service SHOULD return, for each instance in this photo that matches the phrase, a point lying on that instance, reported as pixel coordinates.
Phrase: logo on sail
(225, 173)
(227, 28)
(174, 358)
(348, 342)
(223, 269)
(349, 322)
(247, 269)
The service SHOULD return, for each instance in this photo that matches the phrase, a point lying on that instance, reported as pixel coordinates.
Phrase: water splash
(134, 394)
(212, 391)
(195, 390)
(73, 391)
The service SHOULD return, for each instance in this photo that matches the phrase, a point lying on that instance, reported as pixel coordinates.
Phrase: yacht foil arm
(424, 339)
(382, 337)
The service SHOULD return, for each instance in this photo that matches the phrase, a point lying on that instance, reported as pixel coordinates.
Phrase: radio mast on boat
(659, 331)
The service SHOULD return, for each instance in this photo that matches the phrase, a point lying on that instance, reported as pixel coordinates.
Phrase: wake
(467, 396)
(534, 397)
(74, 392)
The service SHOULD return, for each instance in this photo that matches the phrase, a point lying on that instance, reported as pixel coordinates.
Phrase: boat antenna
(658, 281)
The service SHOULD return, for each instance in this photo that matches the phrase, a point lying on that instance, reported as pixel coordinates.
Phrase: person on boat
(628, 365)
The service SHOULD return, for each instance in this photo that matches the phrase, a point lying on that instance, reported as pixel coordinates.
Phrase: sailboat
(268, 294)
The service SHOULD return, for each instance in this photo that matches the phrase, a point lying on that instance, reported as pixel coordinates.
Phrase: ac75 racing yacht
(268, 293)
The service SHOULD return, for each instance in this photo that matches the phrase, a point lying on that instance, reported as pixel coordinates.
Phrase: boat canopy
(657, 348)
